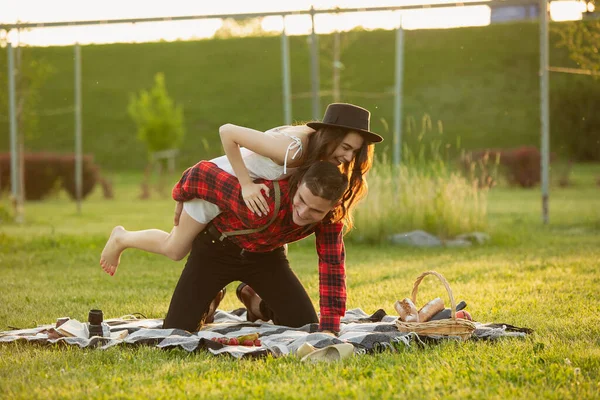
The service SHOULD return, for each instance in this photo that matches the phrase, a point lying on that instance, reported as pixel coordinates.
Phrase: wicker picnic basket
(444, 327)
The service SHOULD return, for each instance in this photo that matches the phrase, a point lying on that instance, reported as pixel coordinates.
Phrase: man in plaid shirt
(258, 258)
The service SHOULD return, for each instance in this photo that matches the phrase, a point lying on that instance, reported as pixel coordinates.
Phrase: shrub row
(520, 166)
(45, 172)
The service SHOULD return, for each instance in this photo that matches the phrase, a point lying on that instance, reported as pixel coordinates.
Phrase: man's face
(309, 208)
(346, 151)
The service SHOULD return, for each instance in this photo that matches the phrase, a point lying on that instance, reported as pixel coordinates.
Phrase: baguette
(430, 309)
(407, 310)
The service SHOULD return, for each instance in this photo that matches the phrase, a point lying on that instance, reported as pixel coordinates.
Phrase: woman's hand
(254, 198)
(178, 210)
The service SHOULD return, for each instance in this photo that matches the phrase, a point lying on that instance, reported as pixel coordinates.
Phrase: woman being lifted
(250, 155)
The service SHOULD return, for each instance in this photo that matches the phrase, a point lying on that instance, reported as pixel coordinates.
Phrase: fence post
(285, 65)
(544, 108)
(337, 65)
(314, 64)
(399, 71)
(16, 190)
(78, 146)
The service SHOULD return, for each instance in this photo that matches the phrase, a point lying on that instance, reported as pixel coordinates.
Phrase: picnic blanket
(366, 333)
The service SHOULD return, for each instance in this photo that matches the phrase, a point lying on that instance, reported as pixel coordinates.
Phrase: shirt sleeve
(208, 182)
(332, 275)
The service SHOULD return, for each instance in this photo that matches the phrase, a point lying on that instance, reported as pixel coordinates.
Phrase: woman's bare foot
(111, 255)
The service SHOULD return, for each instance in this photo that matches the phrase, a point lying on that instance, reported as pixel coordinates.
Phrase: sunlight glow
(567, 10)
(119, 33)
(75, 10)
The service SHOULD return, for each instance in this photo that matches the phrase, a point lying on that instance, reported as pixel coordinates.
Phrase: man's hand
(178, 210)
(330, 333)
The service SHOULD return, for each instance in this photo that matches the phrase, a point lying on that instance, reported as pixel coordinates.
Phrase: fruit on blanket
(252, 337)
(244, 340)
(462, 314)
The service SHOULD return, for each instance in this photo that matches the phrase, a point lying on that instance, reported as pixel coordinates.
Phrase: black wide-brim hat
(348, 116)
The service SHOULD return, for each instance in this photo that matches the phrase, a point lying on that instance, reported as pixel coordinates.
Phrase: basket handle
(444, 281)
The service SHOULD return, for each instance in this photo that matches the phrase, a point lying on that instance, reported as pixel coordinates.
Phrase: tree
(582, 41)
(232, 27)
(159, 122)
(158, 119)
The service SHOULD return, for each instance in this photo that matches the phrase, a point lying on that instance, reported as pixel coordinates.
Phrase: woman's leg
(175, 245)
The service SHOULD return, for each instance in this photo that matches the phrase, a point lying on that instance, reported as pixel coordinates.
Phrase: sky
(76, 10)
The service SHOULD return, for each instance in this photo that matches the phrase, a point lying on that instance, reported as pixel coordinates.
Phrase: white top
(258, 167)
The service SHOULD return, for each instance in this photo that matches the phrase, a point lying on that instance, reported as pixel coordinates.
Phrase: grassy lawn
(542, 277)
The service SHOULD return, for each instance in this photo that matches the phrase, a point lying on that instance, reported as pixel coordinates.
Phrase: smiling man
(240, 245)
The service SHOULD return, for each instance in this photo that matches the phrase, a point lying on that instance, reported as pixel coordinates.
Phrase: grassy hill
(481, 82)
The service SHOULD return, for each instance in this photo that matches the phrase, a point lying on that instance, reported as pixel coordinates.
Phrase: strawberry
(257, 342)
(248, 342)
(233, 342)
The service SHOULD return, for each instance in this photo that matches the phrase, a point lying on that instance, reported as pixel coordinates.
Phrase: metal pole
(544, 112)
(12, 112)
(337, 65)
(287, 86)
(78, 156)
(314, 68)
(398, 93)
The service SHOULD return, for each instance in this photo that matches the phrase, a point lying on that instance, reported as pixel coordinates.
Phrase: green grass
(482, 82)
(542, 277)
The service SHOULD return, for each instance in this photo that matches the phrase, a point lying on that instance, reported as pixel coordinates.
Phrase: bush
(45, 172)
(520, 166)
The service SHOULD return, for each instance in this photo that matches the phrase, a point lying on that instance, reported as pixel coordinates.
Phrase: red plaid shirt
(208, 182)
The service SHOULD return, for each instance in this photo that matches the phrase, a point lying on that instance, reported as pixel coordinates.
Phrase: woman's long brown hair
(321, 145)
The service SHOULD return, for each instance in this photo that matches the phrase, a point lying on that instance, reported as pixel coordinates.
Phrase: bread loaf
(407, 310)
(430, 309)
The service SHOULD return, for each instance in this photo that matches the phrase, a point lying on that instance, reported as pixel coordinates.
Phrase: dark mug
(95, 318)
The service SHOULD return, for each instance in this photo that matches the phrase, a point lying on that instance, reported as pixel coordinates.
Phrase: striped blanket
(367, 334)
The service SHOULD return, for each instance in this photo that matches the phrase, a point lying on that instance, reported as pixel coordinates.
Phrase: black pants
(212, 265)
